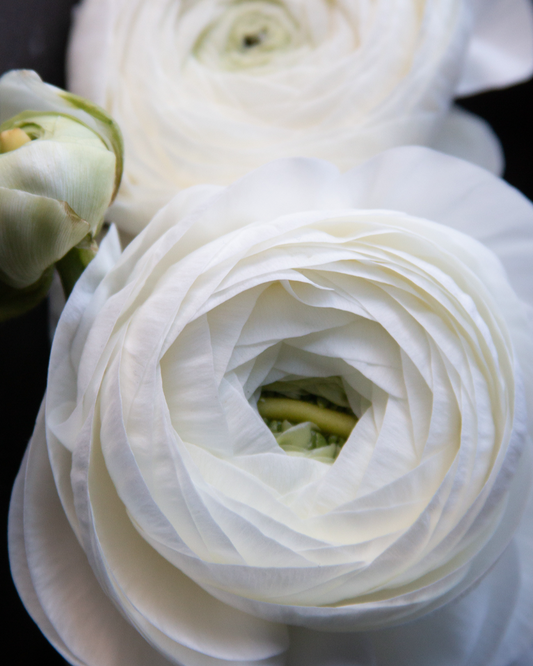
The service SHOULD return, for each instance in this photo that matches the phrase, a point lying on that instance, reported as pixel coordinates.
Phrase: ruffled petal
(54, 578)
(490, 626)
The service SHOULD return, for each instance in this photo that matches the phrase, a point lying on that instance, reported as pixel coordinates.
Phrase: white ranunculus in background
(153, 485)
(208, 90)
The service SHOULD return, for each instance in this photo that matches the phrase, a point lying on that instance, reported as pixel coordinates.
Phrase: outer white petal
(92, 32)
(79, 174)
(55, 580)
(415, 180)
(500, 52)
(455, 193)
(470, 138)
(490, 626)
(108, 253)
(63, 595)
(175, 615)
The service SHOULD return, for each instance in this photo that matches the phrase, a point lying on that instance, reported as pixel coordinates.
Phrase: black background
(33, 35)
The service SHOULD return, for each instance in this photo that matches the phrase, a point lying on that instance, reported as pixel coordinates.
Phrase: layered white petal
(207, 91)
(489, 626)
(55, 580)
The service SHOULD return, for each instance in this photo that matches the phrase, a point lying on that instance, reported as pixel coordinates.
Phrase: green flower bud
(60, 168)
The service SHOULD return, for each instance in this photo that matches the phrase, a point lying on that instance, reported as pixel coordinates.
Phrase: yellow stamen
(298, 411)
(12, 139)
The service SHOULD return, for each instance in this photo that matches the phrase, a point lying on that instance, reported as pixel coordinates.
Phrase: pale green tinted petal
(79, 173)
(297, 438)
(330, 388)
(106, 127)
(22, 90)
(56, 127)
(35, 232)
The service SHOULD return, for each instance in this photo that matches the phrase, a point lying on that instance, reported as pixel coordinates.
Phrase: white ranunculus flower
(207, 90)
(158, 519)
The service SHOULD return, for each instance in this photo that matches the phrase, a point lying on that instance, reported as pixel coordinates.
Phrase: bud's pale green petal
(69, 163)
(36, 231)
(21, 90)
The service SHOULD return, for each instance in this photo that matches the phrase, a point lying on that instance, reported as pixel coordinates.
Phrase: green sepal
(16, 302)
(76, 260)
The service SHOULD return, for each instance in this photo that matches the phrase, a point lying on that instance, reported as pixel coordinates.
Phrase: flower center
(259, 32)
(249, 41)
(248, 34)
(306, 422)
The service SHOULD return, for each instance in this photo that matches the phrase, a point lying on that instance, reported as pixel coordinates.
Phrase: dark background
(33, 35)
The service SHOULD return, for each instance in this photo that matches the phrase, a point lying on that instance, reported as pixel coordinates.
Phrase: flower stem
(299, 411)
(72, 265)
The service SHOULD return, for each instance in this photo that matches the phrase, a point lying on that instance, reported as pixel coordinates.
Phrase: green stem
(298, 411)
(72, 265)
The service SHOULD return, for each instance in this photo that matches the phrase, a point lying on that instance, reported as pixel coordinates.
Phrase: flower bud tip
(12, 139)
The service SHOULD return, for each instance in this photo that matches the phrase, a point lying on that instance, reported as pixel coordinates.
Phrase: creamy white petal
(500, 52)
(490, 626)
(470, 138)
(55, 580)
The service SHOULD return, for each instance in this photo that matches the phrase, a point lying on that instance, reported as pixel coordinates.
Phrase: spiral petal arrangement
(154, 486)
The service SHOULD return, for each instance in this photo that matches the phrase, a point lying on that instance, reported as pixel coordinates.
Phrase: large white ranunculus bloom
(159, 519)
(207, 90)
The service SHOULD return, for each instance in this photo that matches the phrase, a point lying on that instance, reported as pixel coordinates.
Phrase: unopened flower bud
(60, 167)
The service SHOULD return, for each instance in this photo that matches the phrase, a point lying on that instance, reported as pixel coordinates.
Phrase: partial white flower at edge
(206, 91)
(156, 519)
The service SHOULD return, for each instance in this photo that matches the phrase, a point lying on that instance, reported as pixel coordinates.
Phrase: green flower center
(248, 34)
(304, 421)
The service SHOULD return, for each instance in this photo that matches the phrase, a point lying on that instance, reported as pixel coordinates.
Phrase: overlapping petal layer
(206, 91)
(198, 526)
